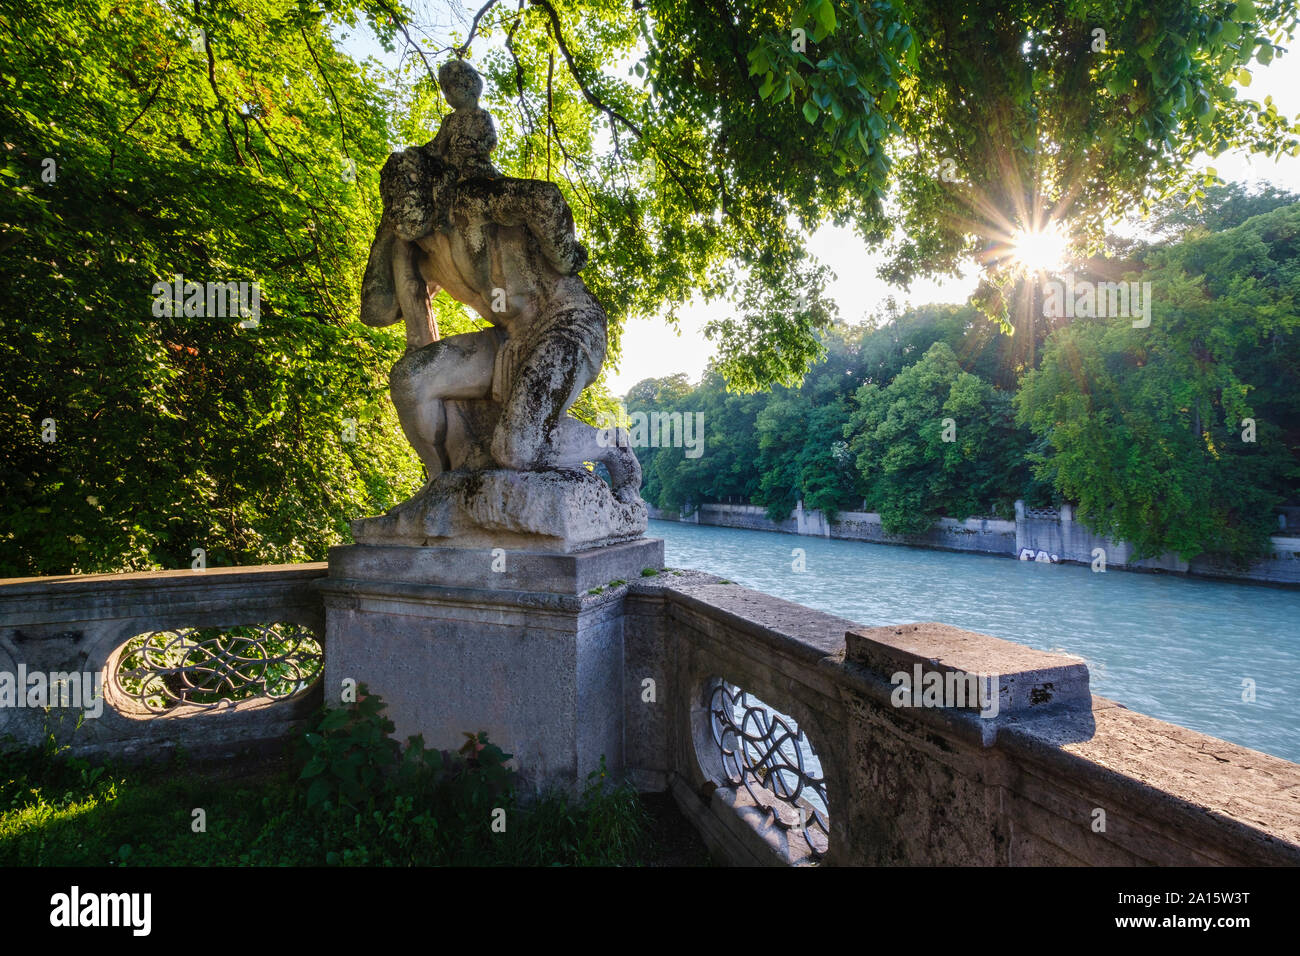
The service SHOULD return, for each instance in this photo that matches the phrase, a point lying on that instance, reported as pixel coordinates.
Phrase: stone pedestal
(552, 511)
(525, 646)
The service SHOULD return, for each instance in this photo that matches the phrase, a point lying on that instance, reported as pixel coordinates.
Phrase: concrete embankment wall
(983, 535)
(1045, 535)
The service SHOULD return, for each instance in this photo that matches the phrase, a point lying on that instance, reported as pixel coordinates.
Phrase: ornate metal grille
(761, 746)
(212, 667)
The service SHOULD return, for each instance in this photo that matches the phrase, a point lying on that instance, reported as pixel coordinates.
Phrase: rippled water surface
(1175, 648)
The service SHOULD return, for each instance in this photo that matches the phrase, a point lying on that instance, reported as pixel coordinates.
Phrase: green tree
(1157, 432)
(741, 126)
(802, 456)
(726, 468)
(646, 397)
(1224, 206)
(220, 142)
(936, 441)
(230, 139)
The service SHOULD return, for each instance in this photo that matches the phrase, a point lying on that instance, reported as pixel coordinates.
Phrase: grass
(61, 811)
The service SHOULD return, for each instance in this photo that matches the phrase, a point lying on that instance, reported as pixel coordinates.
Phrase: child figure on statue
(467, 136)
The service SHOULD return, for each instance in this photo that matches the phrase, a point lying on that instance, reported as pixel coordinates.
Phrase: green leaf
(825, 15)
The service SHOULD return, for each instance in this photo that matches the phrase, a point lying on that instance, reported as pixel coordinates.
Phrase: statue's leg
(561, 361)
(459, 366)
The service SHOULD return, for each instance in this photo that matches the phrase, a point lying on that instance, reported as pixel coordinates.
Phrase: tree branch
(595, 100)
(112, 153)
(550, 109)
(401, 25)
(338, 109)
(473, 27)
(590, 96)
(221, 100)
(524, 112)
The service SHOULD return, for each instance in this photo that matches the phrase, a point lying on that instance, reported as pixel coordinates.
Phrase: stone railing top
(793, 628)
(1224, 801)
(1026, 678)
(1198, 782)
(47, 600)
(147, 579)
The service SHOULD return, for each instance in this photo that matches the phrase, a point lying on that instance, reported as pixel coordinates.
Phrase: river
(1176, 648)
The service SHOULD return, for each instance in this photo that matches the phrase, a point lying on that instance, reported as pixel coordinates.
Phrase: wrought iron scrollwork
(765, 748)
(212, 667)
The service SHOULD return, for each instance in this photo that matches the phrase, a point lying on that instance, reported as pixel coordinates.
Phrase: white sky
(651, 349)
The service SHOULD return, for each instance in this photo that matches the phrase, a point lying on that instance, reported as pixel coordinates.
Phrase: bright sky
(653, 350)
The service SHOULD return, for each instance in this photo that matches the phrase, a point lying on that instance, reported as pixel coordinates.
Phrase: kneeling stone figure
(487, 411)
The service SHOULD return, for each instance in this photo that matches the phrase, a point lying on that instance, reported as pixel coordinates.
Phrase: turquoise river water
(1176, 648)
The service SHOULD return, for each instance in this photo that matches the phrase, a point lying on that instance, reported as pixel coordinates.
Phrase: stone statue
(486, 411)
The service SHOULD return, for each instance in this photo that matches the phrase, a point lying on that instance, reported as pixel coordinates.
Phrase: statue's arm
(395, 287)
(414, 290)
(540, 207)
(379, 305)
(441, 140)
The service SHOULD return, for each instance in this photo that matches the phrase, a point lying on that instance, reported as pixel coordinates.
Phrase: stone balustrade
(1057, 777)
(783, 733)
(214, 633)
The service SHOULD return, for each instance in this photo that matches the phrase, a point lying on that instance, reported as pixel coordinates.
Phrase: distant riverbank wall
(1044, 535)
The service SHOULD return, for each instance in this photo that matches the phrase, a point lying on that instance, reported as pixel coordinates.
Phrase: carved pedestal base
(552, 511)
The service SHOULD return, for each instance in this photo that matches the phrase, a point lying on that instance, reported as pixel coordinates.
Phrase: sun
(1040, 250)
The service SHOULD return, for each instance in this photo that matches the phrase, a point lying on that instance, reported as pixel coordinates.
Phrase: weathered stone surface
(454, 647)
(1026, 678)
(524, 571)
(558, 677)
(935, 785)
(540, 510)
(78, 623)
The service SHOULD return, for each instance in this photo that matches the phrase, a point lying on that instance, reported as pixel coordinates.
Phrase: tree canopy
(227, 141)
(1179, 436)
(222, 144)
(939, 129)
(1183, 436)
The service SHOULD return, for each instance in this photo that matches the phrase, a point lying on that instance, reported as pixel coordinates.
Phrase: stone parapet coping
(498, 569)
(1223, 802)
(1025, 678)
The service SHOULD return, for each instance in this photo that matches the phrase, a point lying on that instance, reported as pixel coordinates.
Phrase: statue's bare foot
(624, 467)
